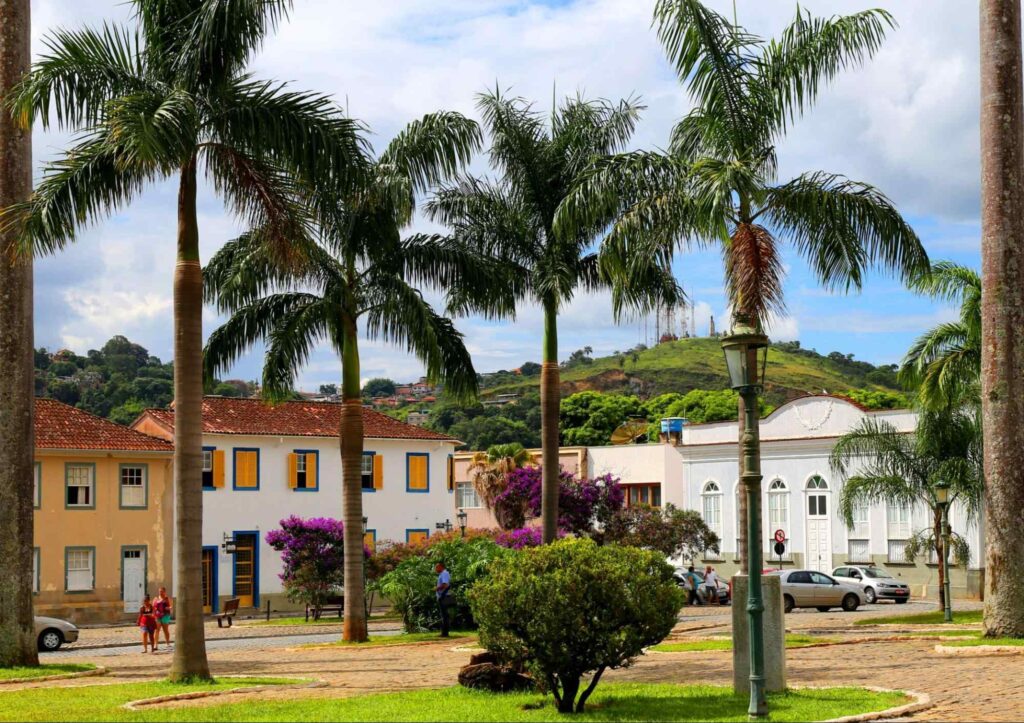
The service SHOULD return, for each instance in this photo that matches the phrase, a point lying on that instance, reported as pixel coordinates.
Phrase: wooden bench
(230, 609)
(334, 603)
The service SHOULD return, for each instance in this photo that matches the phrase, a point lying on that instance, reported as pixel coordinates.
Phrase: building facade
(262, 464)
(103, 515)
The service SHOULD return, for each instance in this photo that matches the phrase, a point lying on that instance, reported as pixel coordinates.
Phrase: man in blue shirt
(444, 586)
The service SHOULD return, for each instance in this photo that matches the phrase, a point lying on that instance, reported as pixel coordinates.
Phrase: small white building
(264, 463)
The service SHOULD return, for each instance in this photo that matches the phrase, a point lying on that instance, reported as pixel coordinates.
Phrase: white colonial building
(262, 464)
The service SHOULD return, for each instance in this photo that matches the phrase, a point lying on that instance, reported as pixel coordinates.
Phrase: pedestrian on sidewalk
(711, 585)
(444, 599)
(147, 624)
(162, 611)
(693, 594)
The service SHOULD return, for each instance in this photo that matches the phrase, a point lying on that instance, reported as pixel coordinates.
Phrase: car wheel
(823, 608)
(869, 595)
(850, 603)
(902, 601)
(788, 603)
(50, 640)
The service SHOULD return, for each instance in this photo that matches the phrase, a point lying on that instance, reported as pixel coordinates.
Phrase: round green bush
(572, 608)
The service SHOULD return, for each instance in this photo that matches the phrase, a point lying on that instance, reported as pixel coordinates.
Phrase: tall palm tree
(489, 470)
(882, 464)
(1002, 312)
(358, 271)
(717, 184)
(170, 97)
(511, 218)
(944, 363)
(17, 638)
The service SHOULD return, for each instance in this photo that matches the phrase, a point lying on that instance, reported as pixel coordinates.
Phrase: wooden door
(209, 589)
(245, 570)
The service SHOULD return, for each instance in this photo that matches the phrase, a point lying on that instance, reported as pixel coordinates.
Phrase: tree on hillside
(882, 464)
(360, 271)
(1002, 312)
(378, 387)
(589, 418)
(17, 632)
(171, 97)
(512, 219)
(717, 182)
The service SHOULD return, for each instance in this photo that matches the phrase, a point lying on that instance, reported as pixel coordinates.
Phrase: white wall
(390, 511)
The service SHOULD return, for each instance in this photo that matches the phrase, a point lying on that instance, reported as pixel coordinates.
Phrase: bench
(334, 603)
(230, 609)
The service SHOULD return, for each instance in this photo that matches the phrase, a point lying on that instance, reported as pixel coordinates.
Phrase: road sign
(780, 549)
(780, 535)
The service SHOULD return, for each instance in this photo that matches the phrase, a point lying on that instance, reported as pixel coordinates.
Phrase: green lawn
(103, 702)
(934, 617)
(403, 639)
(975, 641)
(44, 670)
(686, 646)
(611, 702)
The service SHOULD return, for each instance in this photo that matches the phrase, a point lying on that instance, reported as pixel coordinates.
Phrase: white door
(819, 534)
(133, 579)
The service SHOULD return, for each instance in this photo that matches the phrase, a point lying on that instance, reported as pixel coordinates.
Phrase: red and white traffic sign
(780, 535)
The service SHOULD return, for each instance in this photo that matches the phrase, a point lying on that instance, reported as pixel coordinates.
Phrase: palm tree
(944, 363)
(488, 471)
(360, 270)
(170, 98)
(717, 185)
(512, 219)
(882, 464)
(17, 637)
(1002, 312)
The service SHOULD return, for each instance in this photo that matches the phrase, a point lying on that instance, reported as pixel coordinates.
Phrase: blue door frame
(255, 566)
(214, 583)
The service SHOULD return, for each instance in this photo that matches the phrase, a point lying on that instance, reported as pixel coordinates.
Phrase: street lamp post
(462, 517)
(746, 352)
(942, 500)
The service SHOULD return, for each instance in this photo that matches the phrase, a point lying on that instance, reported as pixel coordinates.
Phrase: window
(367, 470)
(820, 579)
(80, 483)
(466, 495)
(134, 484)
(304, 470)
(413, 536)
(35, 569)
(860, 520)
(370, 540)
(37, 485)
(778, 506)
(417, 472)
(858, 551)
(711, 505)
(79, 569)
(208, 468)
(800, 577)
(643, 494)
(247, 469)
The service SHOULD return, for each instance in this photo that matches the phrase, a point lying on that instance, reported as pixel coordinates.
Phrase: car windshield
(876, 573)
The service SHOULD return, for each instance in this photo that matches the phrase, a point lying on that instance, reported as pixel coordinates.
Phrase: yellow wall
(108, 528)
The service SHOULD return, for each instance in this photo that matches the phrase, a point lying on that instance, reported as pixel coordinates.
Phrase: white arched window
(711, 505)
(778, 507)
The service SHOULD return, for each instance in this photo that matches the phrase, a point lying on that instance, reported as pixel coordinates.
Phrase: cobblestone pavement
(962, 688)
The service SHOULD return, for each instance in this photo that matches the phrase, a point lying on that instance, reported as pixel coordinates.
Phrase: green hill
(680, 366)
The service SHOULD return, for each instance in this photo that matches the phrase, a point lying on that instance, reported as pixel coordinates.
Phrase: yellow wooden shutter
(293, 470)
(378, 472)
(370, 541)
(246, 470)
(312, 460)
(418, 472)
(218, 468)
(417, 536)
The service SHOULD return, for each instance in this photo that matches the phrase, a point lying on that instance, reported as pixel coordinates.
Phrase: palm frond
(156, 130)
(433, 149)
(585, 130)
(868, 489)
(948, 281)
(518, 140)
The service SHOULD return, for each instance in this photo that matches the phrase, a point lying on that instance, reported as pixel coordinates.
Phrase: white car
(51, 633)
(876, 583)
(813, 589)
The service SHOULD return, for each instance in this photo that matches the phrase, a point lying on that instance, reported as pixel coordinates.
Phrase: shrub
(389, 554)
(410, 585)
(572, 608)
(673, 532)
(523, 537)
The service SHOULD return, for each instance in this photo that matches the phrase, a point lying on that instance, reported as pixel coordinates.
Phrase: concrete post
(774, 624)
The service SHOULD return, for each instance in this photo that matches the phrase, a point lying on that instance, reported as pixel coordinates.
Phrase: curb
(335, 646)
(135, 705)
(106, 646)
(978, 651)
(922, 701)
(97, 671)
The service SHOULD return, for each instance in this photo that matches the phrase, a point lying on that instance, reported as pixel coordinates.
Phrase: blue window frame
(314, 456)
(366, 476)
(408, 458)
(208, 469)
(234, 469)
(410, 532)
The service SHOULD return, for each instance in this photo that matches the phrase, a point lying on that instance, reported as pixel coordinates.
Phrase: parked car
(876, 583)
(813, 589)
(51, 633)
(723, 586)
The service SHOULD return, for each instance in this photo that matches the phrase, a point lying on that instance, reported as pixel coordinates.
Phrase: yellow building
(103, 515)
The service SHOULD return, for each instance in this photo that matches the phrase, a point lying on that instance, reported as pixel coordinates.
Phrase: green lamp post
(746, 353)
(942, 500)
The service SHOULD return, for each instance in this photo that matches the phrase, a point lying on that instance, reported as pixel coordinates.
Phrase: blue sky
(907, 122)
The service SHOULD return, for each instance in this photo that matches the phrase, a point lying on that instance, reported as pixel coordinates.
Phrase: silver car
(51, 633)
(876, 583)
(813, 589)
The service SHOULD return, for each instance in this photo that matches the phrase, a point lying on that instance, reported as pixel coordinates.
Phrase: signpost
(780, 545)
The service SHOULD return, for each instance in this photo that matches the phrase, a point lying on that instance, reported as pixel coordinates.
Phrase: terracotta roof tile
(61, 426)
(231, 415)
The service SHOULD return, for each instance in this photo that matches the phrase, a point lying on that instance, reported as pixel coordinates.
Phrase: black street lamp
(746, 354)
(942, 500)
(462, 517)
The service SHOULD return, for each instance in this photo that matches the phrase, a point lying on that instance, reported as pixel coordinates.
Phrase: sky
(906, 122)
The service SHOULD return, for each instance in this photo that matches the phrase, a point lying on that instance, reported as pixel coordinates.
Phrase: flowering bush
(313, 553)
(390, 554)
(582, 503)
(523, 537)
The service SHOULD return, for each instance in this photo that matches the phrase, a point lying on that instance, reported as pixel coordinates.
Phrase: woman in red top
(147, 624)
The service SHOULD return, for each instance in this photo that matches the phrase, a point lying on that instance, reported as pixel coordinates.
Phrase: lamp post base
(774, 625)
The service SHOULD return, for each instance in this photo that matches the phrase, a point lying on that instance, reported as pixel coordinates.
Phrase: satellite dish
(630, 431)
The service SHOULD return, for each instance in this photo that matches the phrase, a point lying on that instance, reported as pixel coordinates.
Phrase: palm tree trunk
(190, 645)
(940, 551)
(17, 634)
(351, 433)
(550, 401)
(1002, 256)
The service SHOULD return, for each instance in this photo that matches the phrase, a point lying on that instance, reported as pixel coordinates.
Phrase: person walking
(162, 611)
(444, 601)
(147, 624)
(711, 585)
(693, 594)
